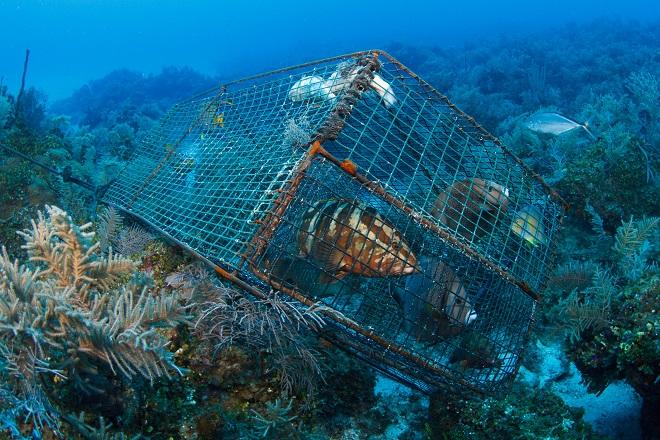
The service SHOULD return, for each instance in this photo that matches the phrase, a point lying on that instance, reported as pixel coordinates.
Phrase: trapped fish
(434, 303)
(310, 88)
(348, 237)
(554, 123)
(471, 207)
(303, 274)
(384, 89)
(528, 225)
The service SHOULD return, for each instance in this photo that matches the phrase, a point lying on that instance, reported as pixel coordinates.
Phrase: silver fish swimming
(554, 123)
(348, 237)
(434, 303)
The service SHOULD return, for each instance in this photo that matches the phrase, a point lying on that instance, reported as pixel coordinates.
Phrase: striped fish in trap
(352, 183)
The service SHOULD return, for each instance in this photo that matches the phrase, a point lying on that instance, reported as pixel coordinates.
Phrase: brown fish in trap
(471, 207)
(348, 237)
(434, 302)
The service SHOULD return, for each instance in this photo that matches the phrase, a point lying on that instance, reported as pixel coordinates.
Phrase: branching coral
(109, 225)
(633, 243)
(589, 309)
(74, 311)
(573, 275)
(272, 326)
(611, 318)
(274, 422)
(645, 89)
(103, 432)
(125, 240)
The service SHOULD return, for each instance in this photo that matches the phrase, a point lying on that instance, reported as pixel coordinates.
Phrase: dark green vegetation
(523, 414)
(66, 347)
(605, 295)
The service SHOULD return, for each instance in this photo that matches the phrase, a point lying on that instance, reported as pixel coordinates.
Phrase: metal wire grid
(422, 146)
(219, 163)
(215, 163)
(483, 354)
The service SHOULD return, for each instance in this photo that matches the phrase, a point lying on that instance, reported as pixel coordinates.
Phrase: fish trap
(351, 183)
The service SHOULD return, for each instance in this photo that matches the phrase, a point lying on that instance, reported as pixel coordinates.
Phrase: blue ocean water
(74, 41)
(406, 278)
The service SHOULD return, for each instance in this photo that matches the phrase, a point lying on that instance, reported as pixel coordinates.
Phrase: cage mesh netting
(351, 183)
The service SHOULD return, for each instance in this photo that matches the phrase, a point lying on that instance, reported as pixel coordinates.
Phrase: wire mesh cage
(352, 183)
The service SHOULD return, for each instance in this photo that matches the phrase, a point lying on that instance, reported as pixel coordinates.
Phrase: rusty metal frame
(329, 130)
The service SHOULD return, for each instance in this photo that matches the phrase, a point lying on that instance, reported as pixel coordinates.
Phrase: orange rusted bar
(349, 166)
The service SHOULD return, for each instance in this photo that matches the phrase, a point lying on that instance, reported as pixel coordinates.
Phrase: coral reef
(272, 326)
(602, 300)
(608, 309)
(609, 312)
(126, 97)
(524, 413)
(70, 317)
(78, 320)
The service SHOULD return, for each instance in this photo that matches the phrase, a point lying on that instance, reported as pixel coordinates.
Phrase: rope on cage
(66, 173)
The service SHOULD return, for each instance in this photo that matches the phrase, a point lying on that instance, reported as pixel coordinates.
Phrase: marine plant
(274, 422)
(608, 310)
(525, 413)
(71, 315)
(103, 432)
(5, 109)
(272, 326)
(124, 240)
